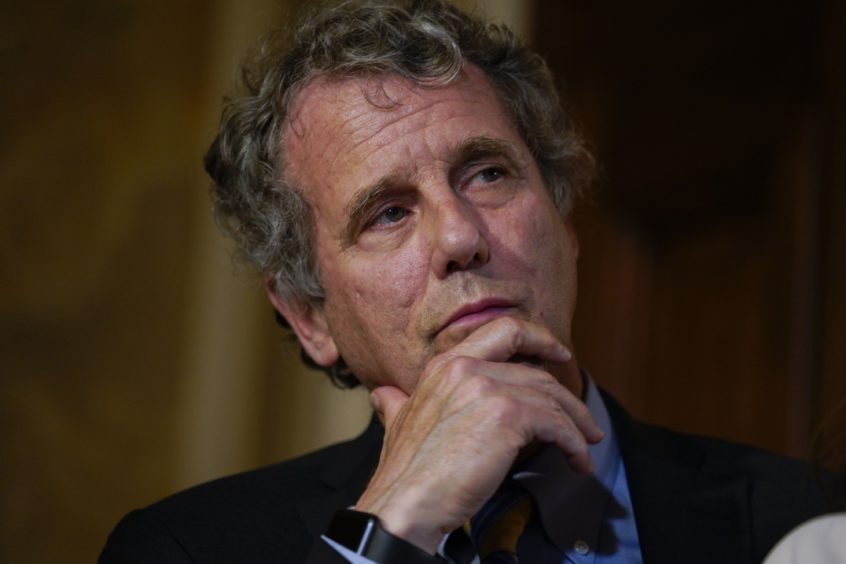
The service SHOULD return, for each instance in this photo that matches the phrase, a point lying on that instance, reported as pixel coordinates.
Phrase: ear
(309, 324)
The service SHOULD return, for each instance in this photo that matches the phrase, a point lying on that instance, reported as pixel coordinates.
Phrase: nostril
(454, 266)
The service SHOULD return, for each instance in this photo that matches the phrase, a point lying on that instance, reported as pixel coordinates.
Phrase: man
(402, 177)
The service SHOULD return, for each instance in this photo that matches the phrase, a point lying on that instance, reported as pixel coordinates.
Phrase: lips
(478, 312)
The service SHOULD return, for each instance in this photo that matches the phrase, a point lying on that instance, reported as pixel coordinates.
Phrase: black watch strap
(363, 534)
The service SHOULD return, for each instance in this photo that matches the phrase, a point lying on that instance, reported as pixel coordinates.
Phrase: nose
(459, 240)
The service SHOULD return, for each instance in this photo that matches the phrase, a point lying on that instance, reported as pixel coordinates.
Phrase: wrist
(363, 534)
(406, 519)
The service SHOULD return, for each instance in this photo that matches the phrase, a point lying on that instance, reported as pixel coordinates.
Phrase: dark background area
(712, 260)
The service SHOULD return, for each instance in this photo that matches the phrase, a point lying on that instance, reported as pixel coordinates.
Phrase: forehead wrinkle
(307, 118)
(371, 114)
(366, 122)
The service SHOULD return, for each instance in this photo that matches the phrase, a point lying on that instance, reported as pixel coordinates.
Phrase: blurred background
(136, 359)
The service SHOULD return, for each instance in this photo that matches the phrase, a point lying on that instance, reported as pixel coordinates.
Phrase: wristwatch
(362, 533)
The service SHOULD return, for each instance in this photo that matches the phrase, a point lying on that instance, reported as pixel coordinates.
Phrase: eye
(392, 214)
(491, 174)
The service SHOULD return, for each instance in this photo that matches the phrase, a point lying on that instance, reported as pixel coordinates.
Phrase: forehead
(348, 129)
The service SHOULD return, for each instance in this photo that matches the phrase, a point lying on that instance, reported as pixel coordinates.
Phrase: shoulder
(705, 455)
(775, 483)
(254, 516)
(738, 497)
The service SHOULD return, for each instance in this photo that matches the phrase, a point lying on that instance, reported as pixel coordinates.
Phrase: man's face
(431, 219)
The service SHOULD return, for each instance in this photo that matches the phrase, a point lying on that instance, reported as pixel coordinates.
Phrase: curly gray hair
(425, 41)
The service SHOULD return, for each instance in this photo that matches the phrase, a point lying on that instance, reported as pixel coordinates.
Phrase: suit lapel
(345, 477)
(684, 513)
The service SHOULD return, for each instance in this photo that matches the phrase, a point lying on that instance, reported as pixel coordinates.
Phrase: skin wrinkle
(385, 305)
(359, 207)
(394, 106)
(354, 43)
(365, 115)
(473, 149)
(454, 309)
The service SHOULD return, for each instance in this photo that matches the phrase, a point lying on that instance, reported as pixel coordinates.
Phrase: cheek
(562, 274)
(532, 236)
(369, 310)
(547, 256)
(374, 295)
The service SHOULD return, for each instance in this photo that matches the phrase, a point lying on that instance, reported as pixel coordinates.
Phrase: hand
(449, 445)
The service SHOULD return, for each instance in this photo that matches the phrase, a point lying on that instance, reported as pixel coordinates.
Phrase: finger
(534, 416)
(506, 337)
(387, 401)
(559, 430)
(529, 377)
(570, 404)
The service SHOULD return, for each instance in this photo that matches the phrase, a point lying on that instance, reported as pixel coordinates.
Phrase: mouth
(478, 313)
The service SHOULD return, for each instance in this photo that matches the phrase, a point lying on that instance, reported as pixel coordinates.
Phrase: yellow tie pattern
(498, 542)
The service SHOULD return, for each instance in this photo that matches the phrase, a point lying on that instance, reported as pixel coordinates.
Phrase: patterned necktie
(497, 528)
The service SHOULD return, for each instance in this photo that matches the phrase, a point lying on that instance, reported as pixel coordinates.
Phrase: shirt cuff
(348, 554)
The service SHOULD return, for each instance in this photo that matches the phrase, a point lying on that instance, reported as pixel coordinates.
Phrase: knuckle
(503, 409)
(558, 409)
(548, 384)
(510, 325)
(581, 412)
(578, 446)
(478, 386)
(460, 366)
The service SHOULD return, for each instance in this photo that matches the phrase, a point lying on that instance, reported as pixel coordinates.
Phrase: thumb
(387, 401)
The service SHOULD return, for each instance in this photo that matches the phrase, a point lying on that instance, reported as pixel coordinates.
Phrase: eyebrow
(360, 204)
(471, 149)
(484, 146)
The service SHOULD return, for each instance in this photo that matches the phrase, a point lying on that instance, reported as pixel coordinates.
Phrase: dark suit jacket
(695, 500)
